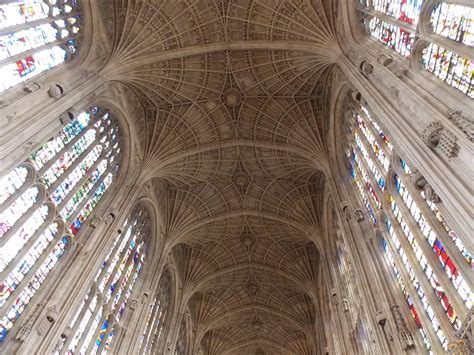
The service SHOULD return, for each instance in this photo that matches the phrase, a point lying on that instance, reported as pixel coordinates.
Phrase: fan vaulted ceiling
(234, 99)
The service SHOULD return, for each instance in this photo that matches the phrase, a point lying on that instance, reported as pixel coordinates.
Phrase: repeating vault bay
(234, 133)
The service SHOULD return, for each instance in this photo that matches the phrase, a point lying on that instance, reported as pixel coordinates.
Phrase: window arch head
(36, 36)
(45, 201)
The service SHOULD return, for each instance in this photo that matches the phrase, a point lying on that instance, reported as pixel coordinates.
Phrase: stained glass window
(93, 328)
(31, 239)
(406, 225)
(36, 36)
(392, 36)
(407, 11)
(455, 22)
(407, 296)
(450, 67)
(157, 315)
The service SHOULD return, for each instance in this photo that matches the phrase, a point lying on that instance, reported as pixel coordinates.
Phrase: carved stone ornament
(347, 212)
(248, 240)
(430, 194)
(55, 92)
(95, 222)
(133, 304)
(345, 305)
(404, 334)
(359, 215)
(448, 144)
(366, 68)
(431, 134)
(385, 59)
(26, 328)
(418, 179)
(463, 123)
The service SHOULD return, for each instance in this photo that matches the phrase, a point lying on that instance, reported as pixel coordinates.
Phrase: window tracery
(36, 226)
(394, 23)
(36, 36)
(94, 324)
(429, 263)
(157, 315)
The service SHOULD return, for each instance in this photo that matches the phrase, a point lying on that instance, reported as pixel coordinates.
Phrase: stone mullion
(30, 181)
(109, 304)
(26, 280)
(435, 303)
(410, 288)
(29, 275)
(119, 280)
(446, 283)
(371, 153)
(441, 233)
(155, 337)
(67, 147)
(78, 161)
(370, 174)
(393, 293)
(383, 145)
(128, 282)
(89, 194)
(26, 248)
(41, 199)
(348, 272)
(367, 276)
(104, 316)
(111, 257)
(150, 324)
(78, 321)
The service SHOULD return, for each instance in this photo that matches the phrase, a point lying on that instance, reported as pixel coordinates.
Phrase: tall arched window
(182, 343)
(36, 36)
(451, 30)
(93, 326)
(45, 200)
(428, 258)
(158, 314)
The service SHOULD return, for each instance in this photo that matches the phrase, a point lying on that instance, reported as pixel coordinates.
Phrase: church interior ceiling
(234, 95)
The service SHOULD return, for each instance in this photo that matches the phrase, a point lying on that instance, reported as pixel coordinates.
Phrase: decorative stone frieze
(441, 139)
(431, 134)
